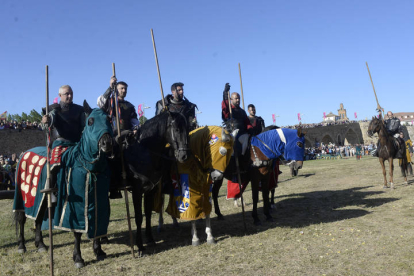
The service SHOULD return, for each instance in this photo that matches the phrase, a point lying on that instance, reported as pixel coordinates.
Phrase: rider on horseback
(128, 124)
(256, 121)
(393, 127)
(240, 120)
(68, 121)
(176, 102)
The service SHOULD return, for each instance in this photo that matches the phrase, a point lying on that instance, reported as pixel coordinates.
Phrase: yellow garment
(408, 144)
(192, 198)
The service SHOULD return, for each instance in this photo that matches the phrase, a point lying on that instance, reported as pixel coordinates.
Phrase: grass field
(333, 219)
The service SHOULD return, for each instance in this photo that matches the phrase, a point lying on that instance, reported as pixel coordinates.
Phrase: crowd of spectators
(331, 149)
(8, 166)
(19, 126)
(322, 124)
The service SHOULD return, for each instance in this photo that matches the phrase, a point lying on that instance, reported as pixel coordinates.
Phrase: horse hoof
(21, 250)
(101, 257)
(140, 254)
(385, 187)
(79, 265)
(220, 217)
(212, 241)
(196, 243)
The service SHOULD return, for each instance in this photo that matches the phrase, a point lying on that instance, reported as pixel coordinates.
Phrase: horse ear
(87, 108)
(224, 136)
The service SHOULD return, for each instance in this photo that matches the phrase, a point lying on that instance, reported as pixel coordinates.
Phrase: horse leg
(272, 198)
(161, 220)
(384, 172)
(137, 201)
(77, 257)
(265, 196)
(20, 218)
(215, 192)
(210, 238)
(195, 241)
(148, 204)
(391, 162)
(97, 249)
(41, 247)
(255, 197)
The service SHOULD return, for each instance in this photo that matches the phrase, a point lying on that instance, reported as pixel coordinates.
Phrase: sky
(296, 56)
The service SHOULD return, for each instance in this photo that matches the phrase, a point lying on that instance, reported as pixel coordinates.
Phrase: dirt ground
(333, 219)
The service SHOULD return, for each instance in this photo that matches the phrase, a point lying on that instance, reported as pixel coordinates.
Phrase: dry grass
(333, 219)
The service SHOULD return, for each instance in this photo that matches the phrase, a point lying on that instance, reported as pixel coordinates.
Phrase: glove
(226, 91)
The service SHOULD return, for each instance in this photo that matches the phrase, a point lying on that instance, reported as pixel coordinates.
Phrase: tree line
(33, 116)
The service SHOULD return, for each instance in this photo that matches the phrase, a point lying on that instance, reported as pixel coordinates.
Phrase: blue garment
(293, 149)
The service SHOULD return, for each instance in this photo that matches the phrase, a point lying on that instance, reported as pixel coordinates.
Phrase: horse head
(177, 135)
(295, 147)
(97, 134)
(374, 126)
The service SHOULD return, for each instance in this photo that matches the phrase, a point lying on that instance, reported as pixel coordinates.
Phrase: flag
(274, 118)
(140, 112)
(324, 115)
(3, 116)
(355, 115)
(299, 119)
(55, 100)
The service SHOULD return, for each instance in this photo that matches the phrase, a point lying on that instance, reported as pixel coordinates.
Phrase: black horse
(146, 160)
(387, 150)
(256, 167)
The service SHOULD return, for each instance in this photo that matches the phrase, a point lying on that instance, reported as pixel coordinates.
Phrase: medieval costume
(257, 123)
(184, 107)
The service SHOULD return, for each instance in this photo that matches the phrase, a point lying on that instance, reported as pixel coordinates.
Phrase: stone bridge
(353, 133)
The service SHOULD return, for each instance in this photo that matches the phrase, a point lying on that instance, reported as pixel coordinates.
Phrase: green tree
(17, 117)
(142, 120)
(34, 116)
(9, 117)
(24, 116)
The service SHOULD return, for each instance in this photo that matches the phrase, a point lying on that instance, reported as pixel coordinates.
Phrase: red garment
(225, 114)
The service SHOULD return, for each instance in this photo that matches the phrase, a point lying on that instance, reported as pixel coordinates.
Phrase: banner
(3, 116)
(140, 111)
(299, 119)
(355, 115)
(55, 100)
(274, 118)
(324, 115)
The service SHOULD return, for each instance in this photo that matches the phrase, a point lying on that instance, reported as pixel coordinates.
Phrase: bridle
(178, 149)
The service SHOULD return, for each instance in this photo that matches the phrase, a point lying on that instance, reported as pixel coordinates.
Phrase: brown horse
(387, 150)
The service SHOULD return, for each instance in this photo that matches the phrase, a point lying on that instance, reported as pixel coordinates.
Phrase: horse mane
(152, 130)
(271, 127)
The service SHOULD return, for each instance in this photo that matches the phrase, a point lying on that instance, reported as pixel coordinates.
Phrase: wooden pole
(47, 185)
(378, 105)
(158, 69)
(241, 86)
(236, 158)
(124, 180)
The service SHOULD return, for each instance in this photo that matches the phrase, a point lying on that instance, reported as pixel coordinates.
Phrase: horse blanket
(82, 181)
(191, 198)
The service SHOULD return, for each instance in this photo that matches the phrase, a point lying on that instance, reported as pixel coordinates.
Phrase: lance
(241, 86)
(236, 157)
(47, 188)
(158, 69)
(124, 180)
(378, 105)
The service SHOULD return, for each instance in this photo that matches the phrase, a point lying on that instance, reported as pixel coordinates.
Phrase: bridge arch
(351, 137)
(327, 139)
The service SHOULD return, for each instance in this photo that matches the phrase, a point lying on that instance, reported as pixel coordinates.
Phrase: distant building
(342, 113)
(335, 118)
(331, 117)
(406, 118)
